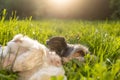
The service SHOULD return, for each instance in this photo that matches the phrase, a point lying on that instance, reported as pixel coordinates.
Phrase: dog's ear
(57, 40)
(57, 43)
(62, 39)
(18, 38)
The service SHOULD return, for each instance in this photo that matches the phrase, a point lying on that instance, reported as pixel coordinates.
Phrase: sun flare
(60, 2)
(62, 8)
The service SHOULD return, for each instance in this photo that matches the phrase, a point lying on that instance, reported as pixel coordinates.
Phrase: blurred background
(63, 9)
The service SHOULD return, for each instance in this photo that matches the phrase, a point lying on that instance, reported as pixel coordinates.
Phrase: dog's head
(56, 44)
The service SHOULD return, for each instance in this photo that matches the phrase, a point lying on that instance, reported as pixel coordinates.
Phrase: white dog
(52, 67)
(33, 59)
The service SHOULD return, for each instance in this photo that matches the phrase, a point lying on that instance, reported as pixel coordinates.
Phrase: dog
(52, 67)
(65, 50)
(31, 58)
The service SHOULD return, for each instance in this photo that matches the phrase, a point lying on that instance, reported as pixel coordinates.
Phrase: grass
(102, 38)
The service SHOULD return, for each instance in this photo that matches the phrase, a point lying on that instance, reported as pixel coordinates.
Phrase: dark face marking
(57, 44)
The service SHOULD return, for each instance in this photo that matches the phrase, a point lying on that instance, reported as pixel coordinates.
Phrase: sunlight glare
(60, 2)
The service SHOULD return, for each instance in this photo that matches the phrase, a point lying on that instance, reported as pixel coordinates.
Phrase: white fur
(1, 50)
(45, 73)
(52, 66)
(33, 59)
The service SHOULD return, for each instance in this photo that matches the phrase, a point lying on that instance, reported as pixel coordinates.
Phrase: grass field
(101, 37)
